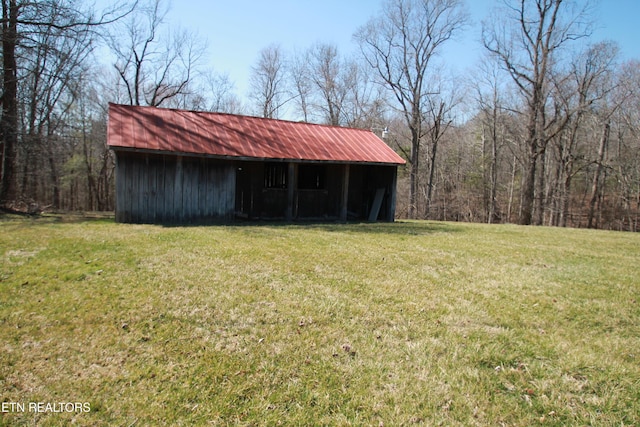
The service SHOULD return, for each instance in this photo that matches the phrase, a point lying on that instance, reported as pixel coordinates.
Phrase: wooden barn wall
(167, 189)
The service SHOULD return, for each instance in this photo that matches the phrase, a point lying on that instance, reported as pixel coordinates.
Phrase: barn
(190, 167)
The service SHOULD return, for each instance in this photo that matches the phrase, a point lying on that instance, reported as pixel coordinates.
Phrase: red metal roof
(227, 135)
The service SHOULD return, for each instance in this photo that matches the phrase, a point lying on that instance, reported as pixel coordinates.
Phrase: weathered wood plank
(177, 214)
(135, 192)
(377, 203)
(169, 169)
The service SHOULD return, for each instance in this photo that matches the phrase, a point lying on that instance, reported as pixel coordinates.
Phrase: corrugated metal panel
(226, 135)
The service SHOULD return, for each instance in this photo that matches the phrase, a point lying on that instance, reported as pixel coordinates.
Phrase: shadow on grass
(414, 228)
(64, 217)
(400, 227)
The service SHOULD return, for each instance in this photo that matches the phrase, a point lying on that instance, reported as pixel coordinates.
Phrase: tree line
(545, 130)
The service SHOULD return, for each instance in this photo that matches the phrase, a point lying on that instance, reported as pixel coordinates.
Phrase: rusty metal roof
(234, 136)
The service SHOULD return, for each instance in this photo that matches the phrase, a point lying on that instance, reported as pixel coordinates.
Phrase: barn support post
(345, 193)
(291, 191)
(392, 197)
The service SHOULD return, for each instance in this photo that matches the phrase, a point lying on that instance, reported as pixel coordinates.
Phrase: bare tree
(268, 82)
(364, 105)
(220, 95)
(154, 66)
(627, 144)
(43, 44)
(334, 89)
(489, 99)
(527, 47)
(400, 44)
(326, 73)
(301, 88)
(438, 119)
(588, 82)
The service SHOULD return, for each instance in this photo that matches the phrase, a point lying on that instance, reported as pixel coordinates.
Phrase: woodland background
(545, 130)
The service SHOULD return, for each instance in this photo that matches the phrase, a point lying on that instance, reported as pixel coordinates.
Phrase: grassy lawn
(412, 323)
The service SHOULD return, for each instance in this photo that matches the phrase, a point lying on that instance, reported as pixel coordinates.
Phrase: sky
(237, 30)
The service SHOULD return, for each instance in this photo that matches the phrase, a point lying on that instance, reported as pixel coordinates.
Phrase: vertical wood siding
(162, 189)
(170, 189)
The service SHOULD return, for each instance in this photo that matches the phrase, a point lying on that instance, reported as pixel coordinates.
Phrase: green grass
(412, 323)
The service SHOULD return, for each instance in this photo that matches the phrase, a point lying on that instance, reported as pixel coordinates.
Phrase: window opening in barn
(275, 175)
(311, 177)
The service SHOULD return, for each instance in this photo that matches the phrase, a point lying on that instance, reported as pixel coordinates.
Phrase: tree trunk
(92, 188)
(493, 206)
(485, 179)
(528, 187)
(53, 171)
(413, 175)
(540, 202)
(512, 185)
(432, 170)
(534, 127)
(9, 119)
(566, 200)
(595, 186)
